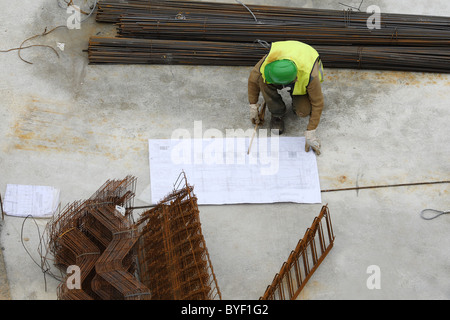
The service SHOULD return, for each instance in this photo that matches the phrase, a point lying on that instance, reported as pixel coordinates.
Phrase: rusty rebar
(93, 235)
(111, 10)
(1, 207)
(174, 260)
(303, 261)
(412, 184)
(162, 256)
(159, 51)
(230, 34)
(246, 30)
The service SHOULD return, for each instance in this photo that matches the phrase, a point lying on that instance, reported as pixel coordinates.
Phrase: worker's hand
(254, 113)
(312, 141)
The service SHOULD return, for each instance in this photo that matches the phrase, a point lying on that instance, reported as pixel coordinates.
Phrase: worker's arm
(316, 97)
(253, 83)
(254, 90)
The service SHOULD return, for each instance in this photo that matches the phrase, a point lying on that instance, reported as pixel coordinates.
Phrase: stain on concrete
(311, 289)
(51, 126)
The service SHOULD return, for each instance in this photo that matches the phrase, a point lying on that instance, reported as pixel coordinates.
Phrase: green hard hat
(280, 72)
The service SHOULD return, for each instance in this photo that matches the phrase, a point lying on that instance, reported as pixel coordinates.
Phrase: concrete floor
(73, 126)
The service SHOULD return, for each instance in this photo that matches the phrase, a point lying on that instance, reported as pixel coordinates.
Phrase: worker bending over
(296, 66)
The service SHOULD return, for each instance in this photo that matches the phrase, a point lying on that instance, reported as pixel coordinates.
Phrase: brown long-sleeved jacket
(314, 92)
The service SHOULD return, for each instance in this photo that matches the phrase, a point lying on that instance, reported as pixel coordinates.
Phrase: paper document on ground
(25, 200)
(221, 171)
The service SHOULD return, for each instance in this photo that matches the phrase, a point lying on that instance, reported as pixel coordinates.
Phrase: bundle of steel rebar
(234, 34)
(246, 30)
(418, 59)
(147, 51)
(111, 10)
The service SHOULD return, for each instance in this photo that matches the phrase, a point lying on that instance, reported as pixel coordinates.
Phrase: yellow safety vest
(304, 56)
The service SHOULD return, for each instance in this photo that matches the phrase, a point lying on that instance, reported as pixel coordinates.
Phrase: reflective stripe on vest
(304, 56)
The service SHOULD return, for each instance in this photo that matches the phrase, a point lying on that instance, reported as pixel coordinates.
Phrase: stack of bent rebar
(93, 236)
(234, 34)
(163, 256)
(175, 262)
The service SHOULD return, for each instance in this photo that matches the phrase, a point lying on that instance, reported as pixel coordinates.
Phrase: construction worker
(296, 66)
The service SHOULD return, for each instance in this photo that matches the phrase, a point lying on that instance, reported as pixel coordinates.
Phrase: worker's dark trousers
(301, 105)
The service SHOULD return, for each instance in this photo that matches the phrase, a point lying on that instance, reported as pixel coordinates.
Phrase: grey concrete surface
(4, 283)
(73, 126)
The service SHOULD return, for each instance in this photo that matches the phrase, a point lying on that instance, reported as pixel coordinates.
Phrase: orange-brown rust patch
(342, 179)
(388, 77)
(24, 136)
(312, 288)
(39, 128)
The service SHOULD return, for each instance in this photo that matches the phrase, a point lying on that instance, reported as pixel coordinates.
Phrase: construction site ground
(73, 126)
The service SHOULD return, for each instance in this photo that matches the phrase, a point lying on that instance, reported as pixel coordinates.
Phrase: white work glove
(312, 141)
(254, 113)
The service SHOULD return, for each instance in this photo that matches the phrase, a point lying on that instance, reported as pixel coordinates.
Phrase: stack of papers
(28, 200)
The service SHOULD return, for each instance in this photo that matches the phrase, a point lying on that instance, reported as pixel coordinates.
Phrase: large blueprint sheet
(221, 171)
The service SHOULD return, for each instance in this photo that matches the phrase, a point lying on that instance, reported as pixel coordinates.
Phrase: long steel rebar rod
(357, 188)
(1, 208)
